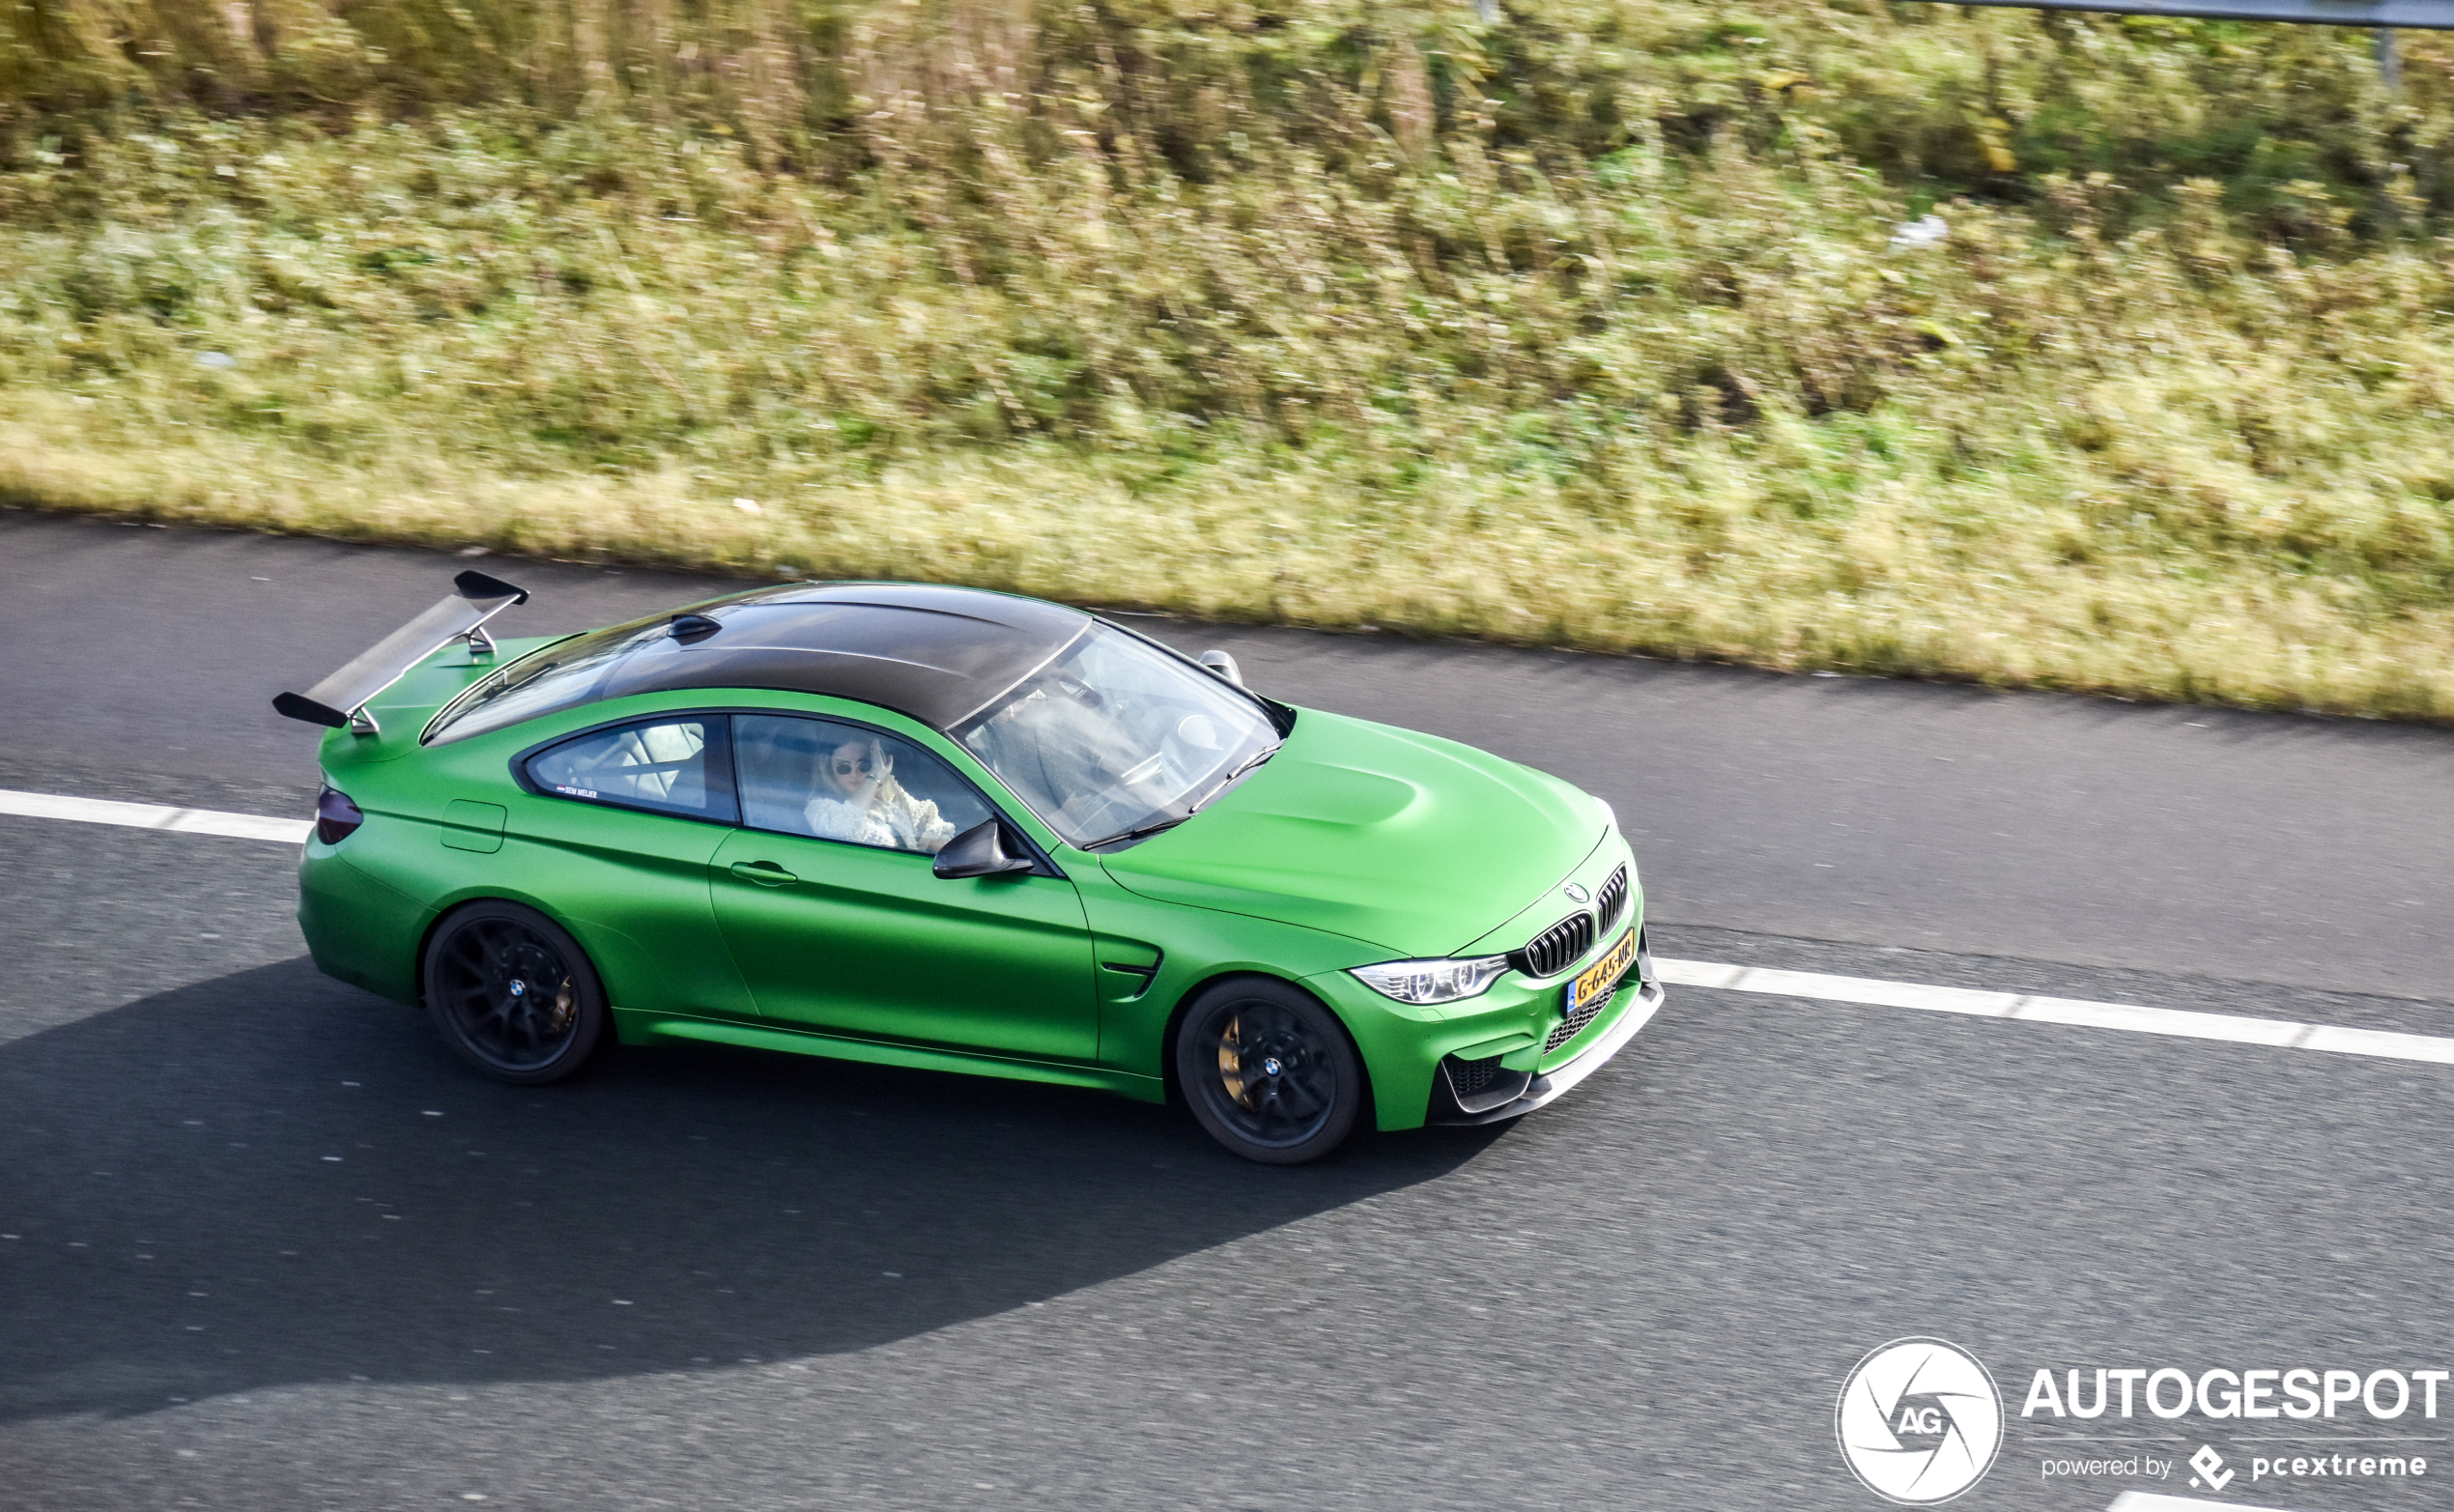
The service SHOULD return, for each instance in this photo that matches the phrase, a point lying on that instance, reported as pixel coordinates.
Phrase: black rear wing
(340, 700)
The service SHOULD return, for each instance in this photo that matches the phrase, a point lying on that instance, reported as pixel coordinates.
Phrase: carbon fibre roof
(937, 654)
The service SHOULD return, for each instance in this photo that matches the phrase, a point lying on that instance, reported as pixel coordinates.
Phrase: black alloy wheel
(1269, 1072)
(513, 994)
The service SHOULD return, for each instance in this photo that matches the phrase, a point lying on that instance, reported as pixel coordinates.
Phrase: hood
(1411, 842)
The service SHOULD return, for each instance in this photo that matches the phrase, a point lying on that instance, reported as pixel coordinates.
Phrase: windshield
(1115, 735)
(560, 676)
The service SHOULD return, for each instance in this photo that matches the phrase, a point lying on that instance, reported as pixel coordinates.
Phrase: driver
(859, 800)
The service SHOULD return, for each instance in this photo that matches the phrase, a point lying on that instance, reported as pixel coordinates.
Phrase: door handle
(766, 874)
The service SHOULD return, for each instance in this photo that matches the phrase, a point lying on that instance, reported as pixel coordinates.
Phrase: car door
(830, 904)
(615, 830)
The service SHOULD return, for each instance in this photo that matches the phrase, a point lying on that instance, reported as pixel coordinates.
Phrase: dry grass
(1588, 331)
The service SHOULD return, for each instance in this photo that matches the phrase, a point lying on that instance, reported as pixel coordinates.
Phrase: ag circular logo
(1920, 1422)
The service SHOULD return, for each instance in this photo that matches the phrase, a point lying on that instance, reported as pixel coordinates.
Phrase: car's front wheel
(1268, 1070)
(513, 994)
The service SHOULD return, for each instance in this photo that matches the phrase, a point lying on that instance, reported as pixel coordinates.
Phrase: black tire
(513, 994)
(1268, 1070)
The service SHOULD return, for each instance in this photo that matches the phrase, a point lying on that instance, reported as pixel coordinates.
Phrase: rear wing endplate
(340, 700)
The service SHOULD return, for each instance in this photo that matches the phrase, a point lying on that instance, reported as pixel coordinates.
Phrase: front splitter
(1553, 1084)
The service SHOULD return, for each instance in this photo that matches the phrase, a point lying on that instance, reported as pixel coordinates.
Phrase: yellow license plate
(1602, 978)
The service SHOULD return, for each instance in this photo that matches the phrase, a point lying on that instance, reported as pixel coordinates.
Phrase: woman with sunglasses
(859, 800)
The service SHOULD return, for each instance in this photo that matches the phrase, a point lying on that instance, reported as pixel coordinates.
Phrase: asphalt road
(264, 1246)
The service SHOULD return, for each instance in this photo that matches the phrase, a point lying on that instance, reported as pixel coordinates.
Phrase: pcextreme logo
(1920, 1422)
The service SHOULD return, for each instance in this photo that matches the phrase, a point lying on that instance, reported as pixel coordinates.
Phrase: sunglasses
(845, 766)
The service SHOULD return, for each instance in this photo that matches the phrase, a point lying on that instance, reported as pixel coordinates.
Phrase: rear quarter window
(669, 766)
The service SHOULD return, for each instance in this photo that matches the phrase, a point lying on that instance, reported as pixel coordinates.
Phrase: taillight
(336, 818)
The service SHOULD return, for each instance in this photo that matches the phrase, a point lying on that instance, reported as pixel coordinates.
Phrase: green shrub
(1592, 327)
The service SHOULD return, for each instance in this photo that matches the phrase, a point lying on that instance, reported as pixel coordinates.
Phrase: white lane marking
(155, 816)
(2379, 1042)
(1840, 990)
(1812, 984)
(2150, 1501)
(2133, 1017)
(2160, 1020)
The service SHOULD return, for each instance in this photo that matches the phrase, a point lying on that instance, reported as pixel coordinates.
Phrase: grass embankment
(1587, 327)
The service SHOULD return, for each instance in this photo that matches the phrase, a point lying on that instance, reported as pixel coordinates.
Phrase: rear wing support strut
(340, 700)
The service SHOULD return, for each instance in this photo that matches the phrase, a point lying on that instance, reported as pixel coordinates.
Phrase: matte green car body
(1357, 843)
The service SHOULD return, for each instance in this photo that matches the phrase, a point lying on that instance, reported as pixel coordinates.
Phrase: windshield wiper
(1140, 831)
(1145, 831)
(1229, 781)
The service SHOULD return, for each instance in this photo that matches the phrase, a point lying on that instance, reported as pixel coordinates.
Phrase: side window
(668, 766)
(840, 782)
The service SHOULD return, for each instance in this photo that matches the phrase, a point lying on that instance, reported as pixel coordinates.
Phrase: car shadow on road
(270, 1178)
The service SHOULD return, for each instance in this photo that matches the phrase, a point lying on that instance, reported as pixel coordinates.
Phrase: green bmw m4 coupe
(963, 831)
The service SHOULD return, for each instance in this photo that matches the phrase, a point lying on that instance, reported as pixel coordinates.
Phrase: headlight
(1432, 981)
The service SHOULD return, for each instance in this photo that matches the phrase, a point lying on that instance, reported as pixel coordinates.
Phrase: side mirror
(980, 851)
(1223, 665)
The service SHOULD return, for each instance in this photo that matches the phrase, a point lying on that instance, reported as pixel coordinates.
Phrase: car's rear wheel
(1268, 1070)
(513, 994)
